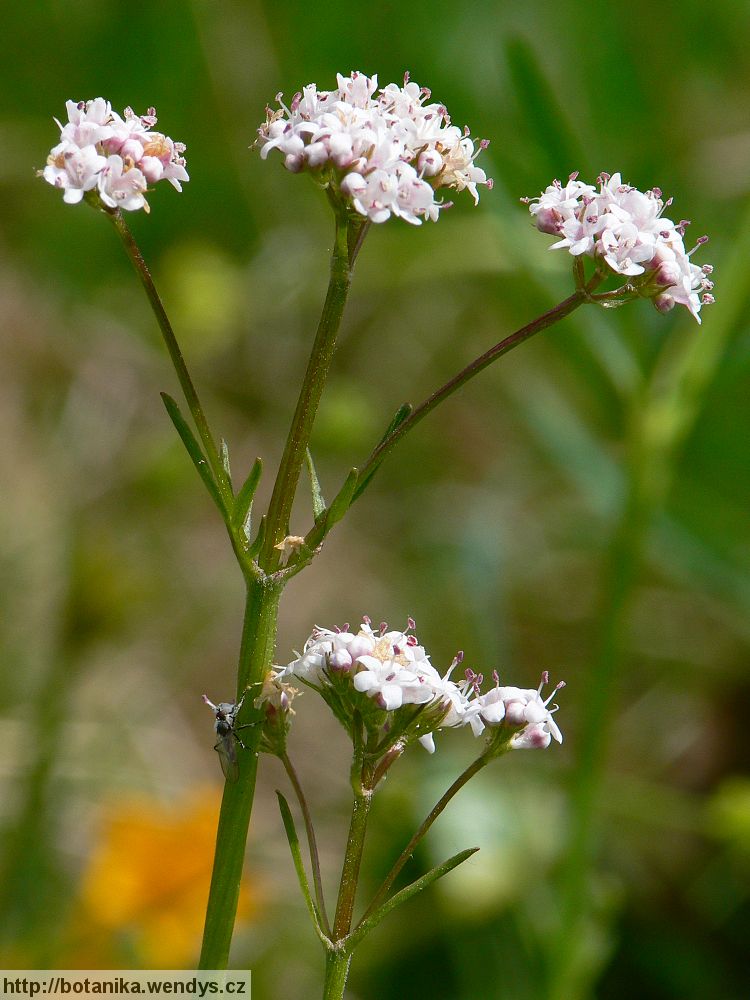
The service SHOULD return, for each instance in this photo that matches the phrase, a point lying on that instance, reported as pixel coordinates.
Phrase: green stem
(311, 841)
(285, 486)
(175, 353)
(407, 852)
(581, 295)
(352, 862)
(256, 658)
(337, 970)
(554, 315)
(256, 653)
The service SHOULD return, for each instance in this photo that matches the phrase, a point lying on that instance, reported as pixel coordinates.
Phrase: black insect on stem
(228, 734)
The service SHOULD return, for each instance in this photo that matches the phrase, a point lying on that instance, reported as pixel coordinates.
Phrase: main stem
(337, 971)
(285, 487)
(261, 612)
(256, 657)
(170, 340)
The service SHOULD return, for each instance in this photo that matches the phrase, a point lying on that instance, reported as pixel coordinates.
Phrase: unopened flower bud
(429, 162)
(663, 303)
(667, 274)
(515, 713)
(315, 155)
(360, 645)
(131, 148)
(340, 659)
(294, 162)
(533, 737)
(548, 220)
(152, 169)
(353, 185)
(340, 147)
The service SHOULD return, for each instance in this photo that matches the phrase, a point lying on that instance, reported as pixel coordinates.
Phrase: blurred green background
(582, 507)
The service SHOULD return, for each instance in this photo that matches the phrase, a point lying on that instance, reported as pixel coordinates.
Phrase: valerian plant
(375, 153)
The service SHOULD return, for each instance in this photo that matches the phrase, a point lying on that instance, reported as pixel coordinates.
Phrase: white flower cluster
(624, 228)
(119, 156)
(387, 151)
(391, 668)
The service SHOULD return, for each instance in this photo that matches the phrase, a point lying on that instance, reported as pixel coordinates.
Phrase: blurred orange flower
(143, 893)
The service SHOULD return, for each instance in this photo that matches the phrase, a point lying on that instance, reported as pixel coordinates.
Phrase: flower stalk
(363, 792)
(287, 478)
(364, 474)
(547, 319)
(474, 768)
(175, 353)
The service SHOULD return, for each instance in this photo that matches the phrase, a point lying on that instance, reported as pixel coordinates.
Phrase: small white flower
(557, 204)
(276, 693)
(116, 154)
(625, 230)
(327, 649)
(387, 151)
(513, 706)
(392, 669)
(625, 248)
(122, 185)
(459, 171)
(74, 170)
(391, 684)
(89, 122)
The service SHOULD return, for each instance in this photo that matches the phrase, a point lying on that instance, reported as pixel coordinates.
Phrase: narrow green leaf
(399, 417)
(364, 928)
(225, 460)
(193, 449)
(342, 501)
(291, 836)
(365, 482)
(259, 539)
(319, 504)
(243, 502)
